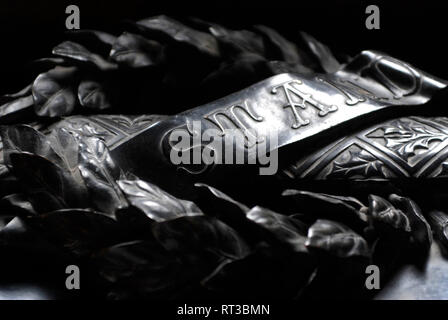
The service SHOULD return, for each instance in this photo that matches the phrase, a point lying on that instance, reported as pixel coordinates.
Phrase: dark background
(411, 31)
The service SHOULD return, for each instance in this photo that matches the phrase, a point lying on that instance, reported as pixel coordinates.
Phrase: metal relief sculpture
(86, 174)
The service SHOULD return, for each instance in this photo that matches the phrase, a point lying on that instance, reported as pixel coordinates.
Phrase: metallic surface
(296, 108)
(293, 107)
(333, 119)
(415, 147)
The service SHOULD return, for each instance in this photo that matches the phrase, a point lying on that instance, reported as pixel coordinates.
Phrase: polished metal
(293, 107)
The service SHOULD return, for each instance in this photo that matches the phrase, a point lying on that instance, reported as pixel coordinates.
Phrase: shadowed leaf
(200, 234)
(282, 49)
(25, 92)
(135, 51)
(11, 111)
(421, 230)
(92, 95)
(336, 239)
(81, 231)
(284, 229)
(157, 204)
(76, 51)
(100, 174)
(180, 33)
(385, 214)
(322, 53)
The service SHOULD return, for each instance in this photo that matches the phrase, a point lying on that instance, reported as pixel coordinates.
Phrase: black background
(411, 31)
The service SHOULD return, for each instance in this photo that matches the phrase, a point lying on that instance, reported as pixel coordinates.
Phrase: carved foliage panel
(406, 147)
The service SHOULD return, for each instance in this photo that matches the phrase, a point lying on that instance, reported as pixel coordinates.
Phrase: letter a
(72, 281)
(373, 281)
(373, 20)
(72, 21)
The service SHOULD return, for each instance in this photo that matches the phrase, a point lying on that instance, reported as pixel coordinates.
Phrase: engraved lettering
(288, 89)
(235, 118)
(381, 69)
(351, 98)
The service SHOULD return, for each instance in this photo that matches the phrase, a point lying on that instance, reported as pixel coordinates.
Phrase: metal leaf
(53, 92)
(361, 163)
(99, 40)
(314, 205)
(439, 223)
(278, 67)
(140, 269)
(45, 64)
(92, 95)
(243, 70)
(235, 42)
(185, 251)
(157, 204)
(135, 51)
(273, 226)
(383, 212)
(17, 204)
(25, 246)
(406, 138)
(188, 235)
(268, 272)
(57, 153)
(281, 48)
(223, 196)
(65, 146)
(81, 231)
(10, 111)
(322, 53)
(421, 230)
(336, 239)
(100, 174)
(76, 51)
(350, 203)
(25, 92)
(180, 33)
(40, 174)
(284, 229)
(24, 138)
